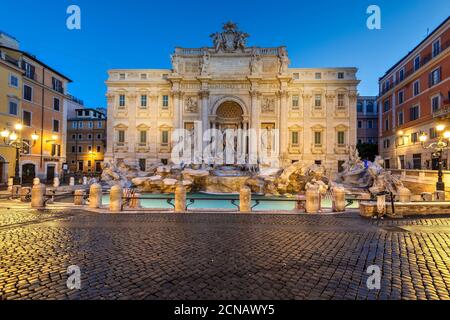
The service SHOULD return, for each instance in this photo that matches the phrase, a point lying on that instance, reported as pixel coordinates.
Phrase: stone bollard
(115, 201)
(180, 198)
(24, 194)
(245, 199)
(312, 200)
(10, 184)
(78, 198)
(439, 196)
(404, 195)
(135, 203)
(38, 196)
(56, 182)
(85, 181)
(36, 181)
(381, 205)
(427, 196)
(95, 196)
(339, 203)
(72, 182)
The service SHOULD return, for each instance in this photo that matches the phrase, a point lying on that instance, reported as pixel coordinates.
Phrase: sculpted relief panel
(191, 105)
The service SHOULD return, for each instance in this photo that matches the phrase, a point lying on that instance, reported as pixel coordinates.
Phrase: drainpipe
(42, 119)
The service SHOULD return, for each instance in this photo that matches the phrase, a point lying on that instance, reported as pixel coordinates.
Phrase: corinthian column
(255, 141)
(176, 108)
(283, 123)
(204, 96)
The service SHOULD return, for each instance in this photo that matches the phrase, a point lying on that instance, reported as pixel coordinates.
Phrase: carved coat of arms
(230, 40)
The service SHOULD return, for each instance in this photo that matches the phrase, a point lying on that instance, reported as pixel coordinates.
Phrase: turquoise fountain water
(213, 201)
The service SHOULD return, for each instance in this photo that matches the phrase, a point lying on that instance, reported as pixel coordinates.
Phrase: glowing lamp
(35, 137)
(13, 136)
(440, 127)
(447, 134)
(5, 133)
(18, 126)
(423, 138)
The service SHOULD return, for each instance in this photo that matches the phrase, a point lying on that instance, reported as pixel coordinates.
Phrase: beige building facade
(233, 86)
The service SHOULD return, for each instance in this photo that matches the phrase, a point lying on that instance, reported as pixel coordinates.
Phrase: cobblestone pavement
(221, 256)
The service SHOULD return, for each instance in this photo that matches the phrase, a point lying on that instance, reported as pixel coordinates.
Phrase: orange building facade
(414, 98)
(41, 111)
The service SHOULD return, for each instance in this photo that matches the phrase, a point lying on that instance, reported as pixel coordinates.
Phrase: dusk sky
(143, 34)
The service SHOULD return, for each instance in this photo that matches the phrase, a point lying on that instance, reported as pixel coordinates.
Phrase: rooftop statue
(230, 40)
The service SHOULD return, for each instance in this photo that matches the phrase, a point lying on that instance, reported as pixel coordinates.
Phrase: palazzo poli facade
(230, 85)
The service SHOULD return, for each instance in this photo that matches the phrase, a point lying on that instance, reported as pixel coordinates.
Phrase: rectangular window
(99, 136)
(340, 100)
(121, 136)
(74, 125)
(387, 105)
(417, 161)
(143, 137)
(401, 74)
(89, 163)
(55, 125)
(296, 75)
(318, 100)
(435, 103)
(13, 81)
(436, 47)
(165, 102)
(143, 101)
(400, 118)
(122, 76)
(401, 97)
(295, 102)
(80, 124)
(122, 100)
(360, 107)
(74, 149)
(369, 124)
(26, 118)
(27, 93)
(29, 70)
(80, 165)
(80, 137)
(165, 138)
(416, 87)
(435, 77)
(433, 133)
(414, 137)
(99, 149)
(414, 113)
(57, 85)
(100, 125)
(294, 138)
(340, 75)
(318, 138)
(360, 124)
(142, 164)
(90, 125)
(318, 76)
(143, 76)
(13, 108)
(80, 149)
(386, 125)
(89, 148)
(370, 107)
(341, 138)
(56, 105)
(416, 63)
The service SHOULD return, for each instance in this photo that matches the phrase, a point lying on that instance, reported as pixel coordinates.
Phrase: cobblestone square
(221, 256)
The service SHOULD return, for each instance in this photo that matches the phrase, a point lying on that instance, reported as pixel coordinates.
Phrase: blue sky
(143, 34)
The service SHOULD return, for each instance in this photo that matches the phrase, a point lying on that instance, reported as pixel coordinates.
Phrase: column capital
(283, 94)
(204, 94)
(255, 93)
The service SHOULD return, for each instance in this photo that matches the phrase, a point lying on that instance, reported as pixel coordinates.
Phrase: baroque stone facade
(233, 86)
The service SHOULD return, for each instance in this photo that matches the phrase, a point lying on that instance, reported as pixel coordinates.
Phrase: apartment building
(413, 100)
(86, 139)
(38, 104)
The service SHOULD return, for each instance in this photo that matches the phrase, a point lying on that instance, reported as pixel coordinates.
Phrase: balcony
(142, 147)
(424, 61)
(444, 111)
(121, 147)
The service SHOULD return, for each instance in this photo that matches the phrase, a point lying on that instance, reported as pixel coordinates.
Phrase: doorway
(50, 173)
(28, 173)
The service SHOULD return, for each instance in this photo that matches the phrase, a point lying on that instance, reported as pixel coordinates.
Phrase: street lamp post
(13, 139)
(437, 149)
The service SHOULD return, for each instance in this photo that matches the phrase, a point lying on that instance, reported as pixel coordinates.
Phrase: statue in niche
(191, 105)
(175, 64)
(255, 63)
(204, 65)
(284, 60)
